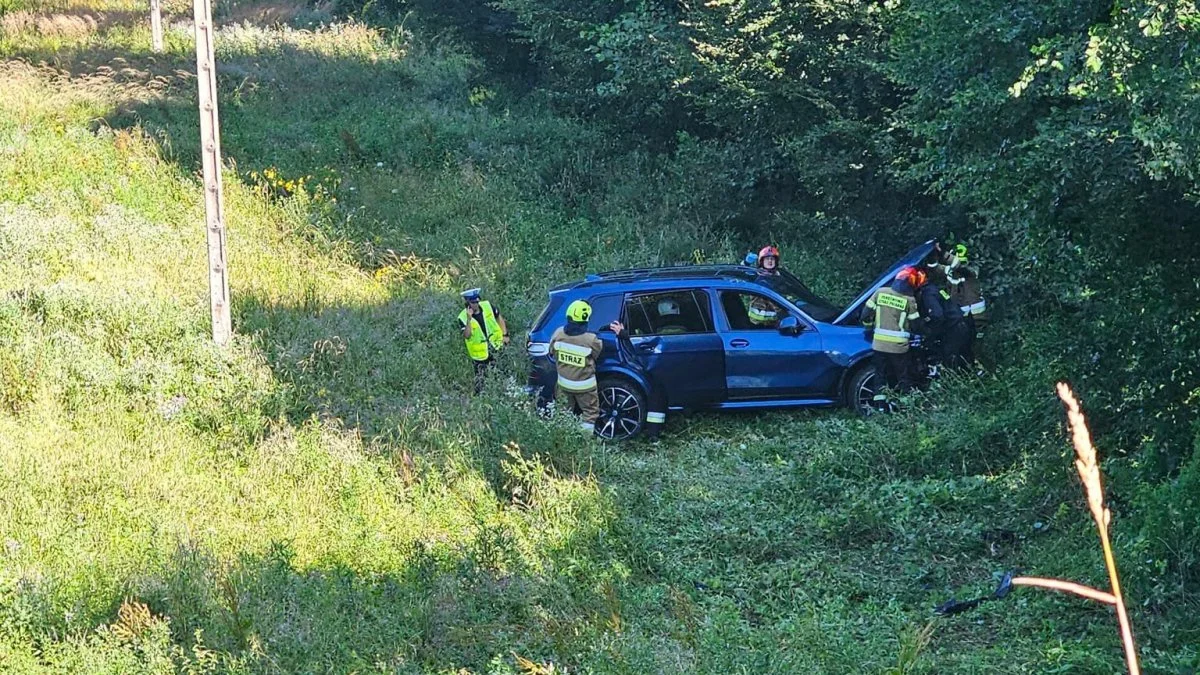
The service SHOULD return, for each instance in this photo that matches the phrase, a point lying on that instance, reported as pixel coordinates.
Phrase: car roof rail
(672, 271)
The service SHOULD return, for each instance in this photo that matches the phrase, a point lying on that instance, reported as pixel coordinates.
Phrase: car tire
(860, 388)
(622, 409)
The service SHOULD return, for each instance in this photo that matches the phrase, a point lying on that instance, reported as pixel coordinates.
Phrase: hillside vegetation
(325, 495)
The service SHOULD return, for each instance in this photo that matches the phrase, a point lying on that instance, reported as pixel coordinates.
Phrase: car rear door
(673, 335)
(762, 363)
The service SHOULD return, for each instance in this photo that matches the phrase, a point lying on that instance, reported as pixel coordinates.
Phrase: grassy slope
(325, 496)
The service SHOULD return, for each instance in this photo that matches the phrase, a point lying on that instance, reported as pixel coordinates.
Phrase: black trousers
(481, 369)
(898, 370)
(956, 345)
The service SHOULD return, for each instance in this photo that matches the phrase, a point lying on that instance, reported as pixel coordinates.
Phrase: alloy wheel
(620, 413)
(864, 398)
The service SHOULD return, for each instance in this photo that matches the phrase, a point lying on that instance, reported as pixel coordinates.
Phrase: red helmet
(915, 276)
(768, 252)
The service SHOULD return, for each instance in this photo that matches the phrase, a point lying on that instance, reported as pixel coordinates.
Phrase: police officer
(575, 352)
(890, 313)
(484, 331)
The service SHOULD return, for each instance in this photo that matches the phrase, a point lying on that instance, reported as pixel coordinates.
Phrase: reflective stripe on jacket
(888, 313)
(575, 358)
(477, 344)
(966, 294)
(762, 313)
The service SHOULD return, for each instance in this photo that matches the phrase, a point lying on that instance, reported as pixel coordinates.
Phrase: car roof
(656, 277)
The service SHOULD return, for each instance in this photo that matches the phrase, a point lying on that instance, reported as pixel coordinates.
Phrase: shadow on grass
(443, 609)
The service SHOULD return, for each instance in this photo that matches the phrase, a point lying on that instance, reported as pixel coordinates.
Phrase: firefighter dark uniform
(482, 340)
(889, 313)
(966, 293)
(944, 323)
(575, 352)
(964, 287)
(656, 416)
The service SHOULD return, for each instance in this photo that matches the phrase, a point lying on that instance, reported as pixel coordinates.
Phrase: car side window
(751, 311)
(668, 313)
(605, 310)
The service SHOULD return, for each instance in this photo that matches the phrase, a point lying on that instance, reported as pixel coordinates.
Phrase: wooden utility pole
(156, 33)
(210, 152)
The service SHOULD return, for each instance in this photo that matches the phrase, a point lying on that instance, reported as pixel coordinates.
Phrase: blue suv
(714, 337)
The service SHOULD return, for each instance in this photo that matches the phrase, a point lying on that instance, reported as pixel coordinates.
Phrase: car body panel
(753, 368)
(693, 364)
(725, 367)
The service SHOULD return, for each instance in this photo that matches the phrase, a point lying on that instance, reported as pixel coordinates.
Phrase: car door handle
(739, 343)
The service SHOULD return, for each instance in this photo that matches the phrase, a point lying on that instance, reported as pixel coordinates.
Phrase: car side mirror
(790, 325)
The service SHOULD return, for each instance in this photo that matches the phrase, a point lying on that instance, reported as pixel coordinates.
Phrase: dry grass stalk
(1089, 474)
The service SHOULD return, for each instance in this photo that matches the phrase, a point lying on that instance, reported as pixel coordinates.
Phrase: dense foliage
(1058, 138)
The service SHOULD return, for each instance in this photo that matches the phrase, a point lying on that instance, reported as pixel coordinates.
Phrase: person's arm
(867, 316)
(468, 326)
(503, 326)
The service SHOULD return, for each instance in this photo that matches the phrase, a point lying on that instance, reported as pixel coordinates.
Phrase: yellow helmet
(579, 311)
(960, 252)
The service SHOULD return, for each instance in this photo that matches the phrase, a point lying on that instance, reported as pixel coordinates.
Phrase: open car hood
(913, 257)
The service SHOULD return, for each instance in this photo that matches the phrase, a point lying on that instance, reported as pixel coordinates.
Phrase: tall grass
(326, 495)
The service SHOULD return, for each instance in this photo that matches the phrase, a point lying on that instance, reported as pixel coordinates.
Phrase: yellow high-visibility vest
(477, 344)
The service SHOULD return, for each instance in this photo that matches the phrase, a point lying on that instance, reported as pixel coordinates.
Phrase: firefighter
(484, 330)
(763, 313)
(966, 291)
(944, 323)
(768, 260)
(575, 352)
(889, 314)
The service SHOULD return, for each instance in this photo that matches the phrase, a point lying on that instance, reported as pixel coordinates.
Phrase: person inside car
(763, 313)
(670, 317)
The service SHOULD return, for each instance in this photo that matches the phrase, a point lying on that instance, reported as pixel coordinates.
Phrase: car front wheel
(622, 409)
(861, 389)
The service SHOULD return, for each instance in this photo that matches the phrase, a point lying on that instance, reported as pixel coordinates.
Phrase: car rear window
(540, 322)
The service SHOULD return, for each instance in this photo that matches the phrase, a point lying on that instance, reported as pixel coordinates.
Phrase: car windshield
(800, 295)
